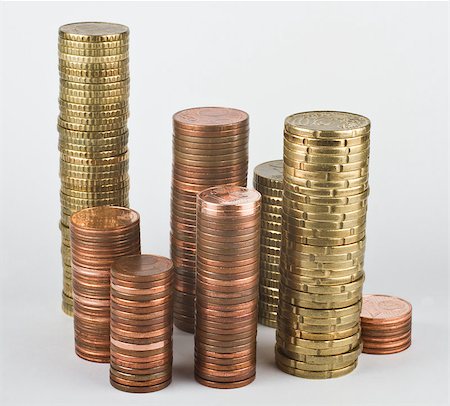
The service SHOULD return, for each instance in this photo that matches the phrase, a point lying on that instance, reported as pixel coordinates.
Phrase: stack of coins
(268, 180)
(386, 324)
(92, 125)
(141, 323)
(228, 224)
(99, 235)
(325, 192)
(210, 148)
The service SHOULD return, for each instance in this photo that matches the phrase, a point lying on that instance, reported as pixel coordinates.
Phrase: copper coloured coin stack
(92, 124)
(141, 323)
(386, 324)
(99, 235)
(268, 180)
(210, 148)
(228, 224)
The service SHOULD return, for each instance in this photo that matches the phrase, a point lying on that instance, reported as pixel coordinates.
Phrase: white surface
(386, 61)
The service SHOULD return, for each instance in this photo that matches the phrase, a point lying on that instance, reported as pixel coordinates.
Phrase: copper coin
(210, 119)
(383, 309)
(221, 385)
(383, 351)
(140, 389)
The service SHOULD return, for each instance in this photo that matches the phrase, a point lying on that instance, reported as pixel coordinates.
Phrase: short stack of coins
(141, 323)
(385, 324)
(325, 190)
(92, 125)
(210, 148)
(99, 236)
(228, 238)
(268, 180)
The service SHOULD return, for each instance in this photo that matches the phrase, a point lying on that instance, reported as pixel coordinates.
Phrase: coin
(386, 324)
(324, 209)
(210, 147)
(226, 285)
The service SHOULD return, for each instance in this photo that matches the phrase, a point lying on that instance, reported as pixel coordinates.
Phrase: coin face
(327, 121)
(270, 170)
(104, 218)
(229, 195)
(210, 117)
(382, 307)
(142, 265)
(94, 29)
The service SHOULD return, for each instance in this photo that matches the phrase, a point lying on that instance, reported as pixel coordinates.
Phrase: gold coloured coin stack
(141, 323)
(210, 148)
(92, 125)
(99, 236)
(268, 180)
(228, 238)
(325, 190)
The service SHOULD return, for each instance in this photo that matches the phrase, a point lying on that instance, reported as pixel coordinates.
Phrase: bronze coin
(140, 389)
(222, 385)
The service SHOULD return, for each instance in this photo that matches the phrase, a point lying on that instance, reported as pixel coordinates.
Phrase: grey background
(386, 61)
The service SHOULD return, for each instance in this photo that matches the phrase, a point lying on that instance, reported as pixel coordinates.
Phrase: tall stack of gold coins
(92, 125)
(210, 148)
(268, 180)
(325, 190)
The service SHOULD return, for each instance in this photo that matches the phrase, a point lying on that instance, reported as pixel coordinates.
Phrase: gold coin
(273, 201)
(96, 66)
(322, 360)
(323, 159)
(64, 92)
(269, 191)
(97, 80)
(93, 32)
(325, 289)
(93, 45)
(94, 128)
(325, 176)
(268, 208)
(112, 122)
(299, 147)
(271, 225)
(100, 56)
(270, 242)
(94, 114)
(326, 142)
(63, 104)
(81, 164)
(318, 352)
(327, 124)
(266, 321)
(326, 193)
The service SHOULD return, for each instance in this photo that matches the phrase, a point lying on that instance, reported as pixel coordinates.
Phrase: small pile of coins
(92, 125)
(325, 190)
(210, 148)
(99, 236)
(228, 224)
(141, 323)
(386, 324)
(268, 180)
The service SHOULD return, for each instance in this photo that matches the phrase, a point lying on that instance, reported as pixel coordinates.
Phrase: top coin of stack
(268, 180)
(325, 190)
(92, 125)
(385, 324)
(210, 148)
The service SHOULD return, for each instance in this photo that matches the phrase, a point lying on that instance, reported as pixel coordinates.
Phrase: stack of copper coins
(98, 235)
(141, 323)
(386, 324)
(228, 223)
(210, 148)
(92, 125)
(268, 180)
(325, 190)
